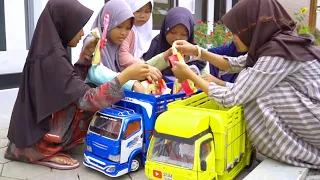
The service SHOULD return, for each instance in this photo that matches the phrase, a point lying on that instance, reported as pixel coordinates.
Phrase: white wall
(96, 6)
(13, 59)
(293, 6)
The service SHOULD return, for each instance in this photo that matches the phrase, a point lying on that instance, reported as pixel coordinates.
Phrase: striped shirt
(281, 100)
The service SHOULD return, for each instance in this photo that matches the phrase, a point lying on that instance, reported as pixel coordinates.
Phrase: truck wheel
(135, 164)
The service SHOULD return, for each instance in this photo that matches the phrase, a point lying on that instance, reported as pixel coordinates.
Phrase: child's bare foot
(64, 160)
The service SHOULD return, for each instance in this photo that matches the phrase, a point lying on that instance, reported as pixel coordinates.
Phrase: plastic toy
(102, 40)
(118, 137)
(198, 139)
(156, 88)
(187, 86)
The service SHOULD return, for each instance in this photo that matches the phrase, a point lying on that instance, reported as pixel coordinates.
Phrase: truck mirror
(123, 137)
(203, 165)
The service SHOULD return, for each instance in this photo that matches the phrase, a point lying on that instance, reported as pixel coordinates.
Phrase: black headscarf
(49, 82)
(267, 29)
(175, 16)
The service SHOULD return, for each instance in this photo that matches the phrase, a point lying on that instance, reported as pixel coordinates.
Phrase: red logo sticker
(157, 174)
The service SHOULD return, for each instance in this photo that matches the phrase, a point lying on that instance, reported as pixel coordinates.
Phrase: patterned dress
(69, 126)
(281, 99)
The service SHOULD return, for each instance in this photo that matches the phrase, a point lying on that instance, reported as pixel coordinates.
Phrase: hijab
(175, 16)
(266, 29)
(49, 82)
(119, 11)
(143, 34)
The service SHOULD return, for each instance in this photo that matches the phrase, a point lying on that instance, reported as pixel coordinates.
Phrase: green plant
(300, 16)
(219, 36)
(303, 29)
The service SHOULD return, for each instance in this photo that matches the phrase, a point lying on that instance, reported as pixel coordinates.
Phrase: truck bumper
(105, 166)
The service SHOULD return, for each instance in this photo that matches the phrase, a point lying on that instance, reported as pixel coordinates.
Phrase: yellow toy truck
(198, 139)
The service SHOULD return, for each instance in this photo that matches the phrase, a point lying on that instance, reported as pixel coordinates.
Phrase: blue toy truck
(118, 137)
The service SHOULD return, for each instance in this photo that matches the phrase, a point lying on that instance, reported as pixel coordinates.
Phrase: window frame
(3, 42)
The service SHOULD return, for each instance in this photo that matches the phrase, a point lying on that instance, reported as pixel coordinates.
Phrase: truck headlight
(89, 148)
(111, 169)
(114, 158)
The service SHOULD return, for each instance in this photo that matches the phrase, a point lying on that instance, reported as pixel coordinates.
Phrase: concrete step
(270, 169)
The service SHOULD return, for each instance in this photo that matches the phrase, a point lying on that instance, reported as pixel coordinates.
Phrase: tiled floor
(11, 170)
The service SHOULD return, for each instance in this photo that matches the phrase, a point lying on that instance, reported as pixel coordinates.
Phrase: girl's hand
(186, 48)
(182, 71)
(155, 74)
(137, 71)
(210, 78)
(90, 47)
(137, 87)
(167, 54)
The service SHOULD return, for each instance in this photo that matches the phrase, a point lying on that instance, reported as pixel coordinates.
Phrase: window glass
(205, 150)
(133, 127)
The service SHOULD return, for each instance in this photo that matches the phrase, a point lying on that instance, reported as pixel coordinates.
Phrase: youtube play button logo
(157, 174)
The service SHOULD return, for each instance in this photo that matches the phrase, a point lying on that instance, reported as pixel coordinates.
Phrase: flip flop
(48, 163)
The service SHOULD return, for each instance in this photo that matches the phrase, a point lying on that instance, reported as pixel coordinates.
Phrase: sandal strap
(56, 155)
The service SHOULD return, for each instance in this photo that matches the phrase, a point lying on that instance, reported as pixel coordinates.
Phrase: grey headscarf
(119, 11)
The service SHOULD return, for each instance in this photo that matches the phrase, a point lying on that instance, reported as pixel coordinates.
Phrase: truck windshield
(172, 152)
(106, 126)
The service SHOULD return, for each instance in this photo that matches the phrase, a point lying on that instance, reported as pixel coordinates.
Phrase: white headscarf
(119, 11)
(143, 34)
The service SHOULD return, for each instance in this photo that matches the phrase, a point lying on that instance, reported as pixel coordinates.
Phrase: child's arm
(159, 62)
(103, 96)
(100, 75)
(252, 82)
(126, 52)
(222, 62)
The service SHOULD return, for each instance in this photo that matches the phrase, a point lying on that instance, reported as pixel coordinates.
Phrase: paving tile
(2, 159)
(242, 175)
(86, 173)
(5, 120)
(22, 170)
(6, 178)
(57, 175)
(3, 143)
(79, 150)
(139, 175)
(314, 177)
(3, 133)
(314, 172)
(1, 166)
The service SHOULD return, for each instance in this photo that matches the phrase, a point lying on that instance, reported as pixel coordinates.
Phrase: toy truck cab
(114, 141)
(181, 150)
(215, 137)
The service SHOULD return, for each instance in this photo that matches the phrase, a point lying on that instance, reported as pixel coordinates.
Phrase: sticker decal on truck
(157, 174)
(167, 176)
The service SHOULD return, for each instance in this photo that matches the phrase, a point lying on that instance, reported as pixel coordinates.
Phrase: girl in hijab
(278, 85)
(177, 25)
(139, 39)
(215, 76)
(120, 24)
(54, 106)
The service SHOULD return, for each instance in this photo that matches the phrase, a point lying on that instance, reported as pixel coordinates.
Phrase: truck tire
(135, 164)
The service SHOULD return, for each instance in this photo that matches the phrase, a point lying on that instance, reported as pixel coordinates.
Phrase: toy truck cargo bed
(189, 119)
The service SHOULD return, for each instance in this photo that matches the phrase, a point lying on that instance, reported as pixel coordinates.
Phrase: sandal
(55, 165)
